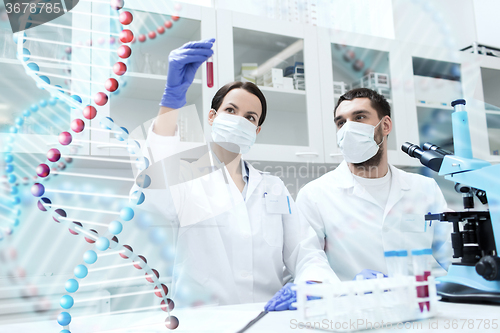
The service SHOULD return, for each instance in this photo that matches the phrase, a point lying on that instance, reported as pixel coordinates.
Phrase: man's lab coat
(355, 230)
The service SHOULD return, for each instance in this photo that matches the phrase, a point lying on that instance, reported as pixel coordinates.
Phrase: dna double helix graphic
(84, 97)
(18, 169)
(37, 122)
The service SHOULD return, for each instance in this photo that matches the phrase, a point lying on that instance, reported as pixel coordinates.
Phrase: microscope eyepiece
(431, 158)
(412, 150)
(430, 146)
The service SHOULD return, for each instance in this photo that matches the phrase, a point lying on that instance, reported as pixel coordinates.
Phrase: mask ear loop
(212, 162)
(383, 138)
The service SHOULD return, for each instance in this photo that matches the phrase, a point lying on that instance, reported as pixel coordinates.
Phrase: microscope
(476, 234)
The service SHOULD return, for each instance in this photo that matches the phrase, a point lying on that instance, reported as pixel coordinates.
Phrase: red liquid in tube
(426, 275)
(421, 291)
(210, 72)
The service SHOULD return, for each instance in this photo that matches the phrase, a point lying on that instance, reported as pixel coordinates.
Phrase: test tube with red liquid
(210, 72)
(422, 270)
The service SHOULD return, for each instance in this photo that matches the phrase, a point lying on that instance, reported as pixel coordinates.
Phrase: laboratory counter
(452, 317)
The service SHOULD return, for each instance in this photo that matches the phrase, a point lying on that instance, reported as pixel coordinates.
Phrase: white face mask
(356, 141)
(234, 133)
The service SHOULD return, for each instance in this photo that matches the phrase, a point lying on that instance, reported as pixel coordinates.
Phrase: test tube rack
(391, 300)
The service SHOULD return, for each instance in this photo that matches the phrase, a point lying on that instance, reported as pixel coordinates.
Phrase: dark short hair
(248, 86)
(378, 102)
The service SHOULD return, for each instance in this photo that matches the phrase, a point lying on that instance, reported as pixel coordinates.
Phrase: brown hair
(248, 86)
(378, 101)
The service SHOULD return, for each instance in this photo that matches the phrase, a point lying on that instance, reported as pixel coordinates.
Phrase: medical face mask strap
(379, 144)
(212, 162)
(383, 137)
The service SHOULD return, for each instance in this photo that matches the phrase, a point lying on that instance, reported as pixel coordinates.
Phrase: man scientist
(366, 206)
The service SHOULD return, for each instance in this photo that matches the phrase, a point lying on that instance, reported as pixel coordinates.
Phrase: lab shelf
(433, 105)
(282, 91)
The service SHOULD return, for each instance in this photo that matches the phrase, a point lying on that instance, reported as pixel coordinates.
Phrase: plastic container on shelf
(340, 88)
(386, 92)
(288, 83)
(297, 68)
(376, 80)
(273, 78)
(247, 70)
(296, 72)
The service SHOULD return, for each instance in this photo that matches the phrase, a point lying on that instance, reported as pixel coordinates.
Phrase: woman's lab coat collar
(254, 175)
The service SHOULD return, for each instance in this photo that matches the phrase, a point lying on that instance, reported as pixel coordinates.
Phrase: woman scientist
(235, 227)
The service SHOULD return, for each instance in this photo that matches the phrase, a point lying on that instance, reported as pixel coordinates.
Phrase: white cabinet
(490, 78)
(437, 81)
(290, 131)
(488, 104)
(439, 76)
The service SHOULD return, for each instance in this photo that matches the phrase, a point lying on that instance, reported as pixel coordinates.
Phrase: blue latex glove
(368, 274)
(182, 66)
(284, 298)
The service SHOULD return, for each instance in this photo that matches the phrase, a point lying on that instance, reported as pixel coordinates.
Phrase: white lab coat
(355, 230)
(234, 254)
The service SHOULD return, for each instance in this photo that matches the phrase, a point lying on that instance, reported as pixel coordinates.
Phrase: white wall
(487, 23)
(369, 17)
(443, 23)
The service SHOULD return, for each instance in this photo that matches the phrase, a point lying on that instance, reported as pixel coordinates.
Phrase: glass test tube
(421, 270)
(210, 72)
(390, 260)
(427, 253)
(402, 259)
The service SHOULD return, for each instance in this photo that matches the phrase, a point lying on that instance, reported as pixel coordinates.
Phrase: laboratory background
(303, 54)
